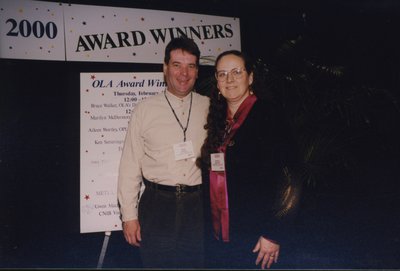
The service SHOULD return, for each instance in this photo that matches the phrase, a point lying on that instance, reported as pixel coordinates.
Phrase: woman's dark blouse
(262, 147)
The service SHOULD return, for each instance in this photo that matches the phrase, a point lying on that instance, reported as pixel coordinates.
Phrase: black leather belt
(179, 188)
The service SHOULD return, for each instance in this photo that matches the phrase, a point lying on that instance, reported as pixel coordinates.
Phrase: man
(164, 138)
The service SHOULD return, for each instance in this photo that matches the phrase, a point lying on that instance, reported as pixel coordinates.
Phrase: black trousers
(172, 229)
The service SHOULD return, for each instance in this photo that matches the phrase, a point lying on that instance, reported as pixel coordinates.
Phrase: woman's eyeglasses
(237, 73)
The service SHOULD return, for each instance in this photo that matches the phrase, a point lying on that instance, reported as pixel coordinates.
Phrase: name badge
(217, 161)
(183, 150)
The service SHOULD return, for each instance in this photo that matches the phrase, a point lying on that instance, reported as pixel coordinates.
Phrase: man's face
(180, 72)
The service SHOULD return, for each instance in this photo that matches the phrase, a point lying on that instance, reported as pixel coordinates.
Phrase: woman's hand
(268, 252)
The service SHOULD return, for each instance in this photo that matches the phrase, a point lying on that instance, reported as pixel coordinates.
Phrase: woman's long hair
(216, 118)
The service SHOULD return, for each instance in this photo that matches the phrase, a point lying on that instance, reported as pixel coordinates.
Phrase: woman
(249, 156)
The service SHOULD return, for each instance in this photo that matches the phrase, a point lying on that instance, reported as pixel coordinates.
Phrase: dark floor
(71, 251)
(333, 235)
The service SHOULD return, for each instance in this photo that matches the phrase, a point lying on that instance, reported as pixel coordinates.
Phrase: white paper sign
(31, 30)
(73, 32)
(107, 100)
(95, 33)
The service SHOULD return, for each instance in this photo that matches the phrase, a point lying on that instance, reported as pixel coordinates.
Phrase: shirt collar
(176, 99)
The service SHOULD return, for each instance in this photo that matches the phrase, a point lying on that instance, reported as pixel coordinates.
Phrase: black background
(347, 225)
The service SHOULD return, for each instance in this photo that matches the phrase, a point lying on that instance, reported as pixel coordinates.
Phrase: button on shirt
(148, 149)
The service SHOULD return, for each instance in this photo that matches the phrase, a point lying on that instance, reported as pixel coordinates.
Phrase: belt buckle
(179, 189)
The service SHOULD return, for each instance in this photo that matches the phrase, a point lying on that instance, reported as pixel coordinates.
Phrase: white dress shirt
(148, 149)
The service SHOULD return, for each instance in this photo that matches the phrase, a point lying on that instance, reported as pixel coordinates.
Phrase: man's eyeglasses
(237, 73)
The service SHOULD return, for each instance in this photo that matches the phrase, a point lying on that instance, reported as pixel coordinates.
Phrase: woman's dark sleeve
(285, 207)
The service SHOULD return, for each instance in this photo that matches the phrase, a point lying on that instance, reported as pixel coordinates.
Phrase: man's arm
(130, 173)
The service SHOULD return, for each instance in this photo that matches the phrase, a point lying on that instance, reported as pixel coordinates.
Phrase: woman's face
(232, 79)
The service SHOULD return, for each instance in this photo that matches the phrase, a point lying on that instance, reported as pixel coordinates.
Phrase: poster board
(107, 101)
(31, 30)
(74, 32)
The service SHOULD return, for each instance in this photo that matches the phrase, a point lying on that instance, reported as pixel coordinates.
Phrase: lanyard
(184, 129)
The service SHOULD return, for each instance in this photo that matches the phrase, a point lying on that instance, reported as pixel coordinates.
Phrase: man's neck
(180, 96)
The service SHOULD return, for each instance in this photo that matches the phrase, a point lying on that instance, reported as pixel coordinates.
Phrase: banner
(107, 100)
(31, 30)
(138, 35)
(73, 32)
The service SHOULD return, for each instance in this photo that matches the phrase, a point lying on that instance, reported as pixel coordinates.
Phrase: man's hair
(185, 44)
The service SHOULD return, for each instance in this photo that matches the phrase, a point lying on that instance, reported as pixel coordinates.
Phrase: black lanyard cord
(184, 129)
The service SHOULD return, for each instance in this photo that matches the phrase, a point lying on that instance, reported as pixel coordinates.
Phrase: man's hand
(268, 252)
(131, 230)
